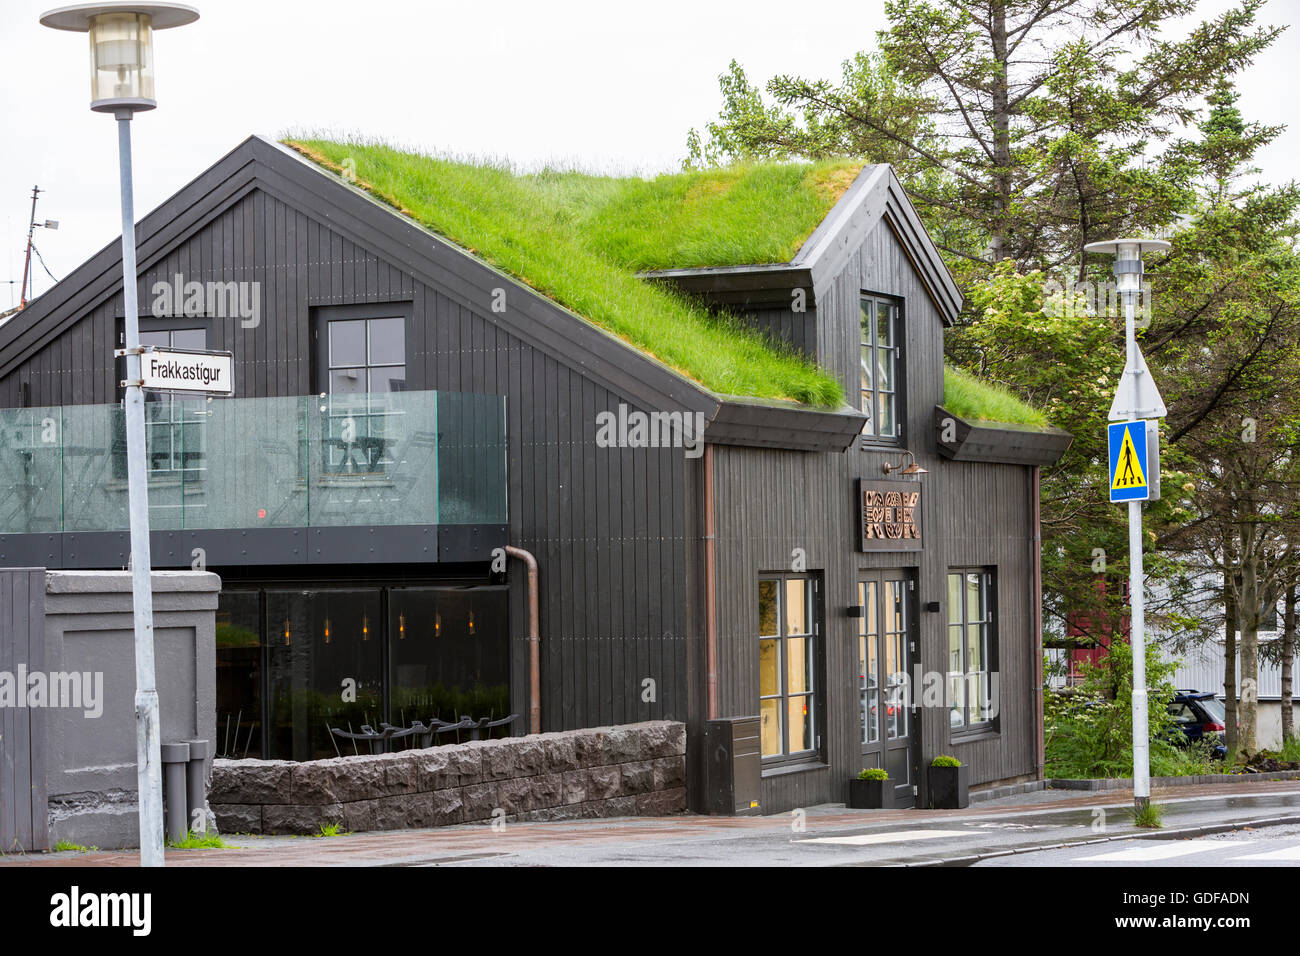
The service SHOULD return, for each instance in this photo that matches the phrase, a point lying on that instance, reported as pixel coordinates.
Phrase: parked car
(1200, 716)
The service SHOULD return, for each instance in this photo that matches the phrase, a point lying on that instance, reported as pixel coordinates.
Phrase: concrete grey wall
(631, 770)
(89, 628)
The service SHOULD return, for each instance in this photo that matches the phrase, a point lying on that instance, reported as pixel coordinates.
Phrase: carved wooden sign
(890, 515)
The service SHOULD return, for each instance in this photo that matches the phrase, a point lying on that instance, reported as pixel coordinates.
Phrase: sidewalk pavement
(820, 836)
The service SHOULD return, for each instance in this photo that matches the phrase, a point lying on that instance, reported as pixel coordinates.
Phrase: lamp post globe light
(122, 83)
(1136, 398)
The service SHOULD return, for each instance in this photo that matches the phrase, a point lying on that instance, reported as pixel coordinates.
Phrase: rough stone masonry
(629, 770)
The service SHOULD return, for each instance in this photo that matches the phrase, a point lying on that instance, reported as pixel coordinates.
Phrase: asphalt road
(1267, 846)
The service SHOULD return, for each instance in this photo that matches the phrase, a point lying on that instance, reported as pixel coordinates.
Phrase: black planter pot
(949, 787)
(871, 794)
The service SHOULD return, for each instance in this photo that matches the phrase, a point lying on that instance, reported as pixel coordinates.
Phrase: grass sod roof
(580, 239)
(975, 399)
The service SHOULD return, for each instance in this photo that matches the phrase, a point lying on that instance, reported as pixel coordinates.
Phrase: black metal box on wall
(732, 766)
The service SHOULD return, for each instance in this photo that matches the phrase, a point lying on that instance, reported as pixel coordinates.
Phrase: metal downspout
(534, 642)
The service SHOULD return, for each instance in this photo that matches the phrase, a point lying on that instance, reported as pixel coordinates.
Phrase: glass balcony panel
(346, 460)
(30, 464)
(471, 458)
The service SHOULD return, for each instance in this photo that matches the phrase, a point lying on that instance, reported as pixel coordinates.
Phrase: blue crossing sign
(1131, 467)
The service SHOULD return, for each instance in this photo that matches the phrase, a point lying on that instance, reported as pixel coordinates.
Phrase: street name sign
(1134, 460)
(187, 370)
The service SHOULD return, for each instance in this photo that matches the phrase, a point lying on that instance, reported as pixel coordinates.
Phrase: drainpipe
(534, 642)
(1036, 617)
(710, 588)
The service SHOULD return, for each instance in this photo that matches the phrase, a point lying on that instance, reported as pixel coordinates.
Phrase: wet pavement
(820, 836)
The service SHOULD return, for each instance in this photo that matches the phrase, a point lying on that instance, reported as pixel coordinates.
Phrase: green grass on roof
(580, 239)
(974, 399)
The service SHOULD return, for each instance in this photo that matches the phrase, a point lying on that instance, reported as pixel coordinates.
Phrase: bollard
(196, 786)
(174, 759)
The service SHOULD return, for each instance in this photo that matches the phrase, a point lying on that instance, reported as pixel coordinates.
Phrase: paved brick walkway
(466, 843)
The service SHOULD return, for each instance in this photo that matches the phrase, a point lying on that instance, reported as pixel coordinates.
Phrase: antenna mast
(27, 260)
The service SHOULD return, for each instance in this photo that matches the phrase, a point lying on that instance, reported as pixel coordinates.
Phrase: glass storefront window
(448, 654)
(294, 663)
(324, 668)
(239, 675)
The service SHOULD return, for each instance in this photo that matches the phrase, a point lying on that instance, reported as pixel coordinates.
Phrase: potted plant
(873, 790)
(949, 783)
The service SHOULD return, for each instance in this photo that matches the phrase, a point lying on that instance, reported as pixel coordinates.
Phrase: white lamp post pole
(121, 48)
(1136, 398)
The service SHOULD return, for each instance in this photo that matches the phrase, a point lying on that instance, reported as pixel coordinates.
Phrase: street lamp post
(121, 82)
(1136, 398)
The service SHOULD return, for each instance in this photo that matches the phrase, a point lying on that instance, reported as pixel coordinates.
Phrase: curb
(1182, 833)
(1198, 780)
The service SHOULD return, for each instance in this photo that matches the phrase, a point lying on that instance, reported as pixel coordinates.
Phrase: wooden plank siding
(769, 502)
(603, 523)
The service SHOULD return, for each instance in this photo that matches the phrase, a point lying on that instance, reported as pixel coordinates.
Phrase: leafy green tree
(1018, 126)
(1225, 344)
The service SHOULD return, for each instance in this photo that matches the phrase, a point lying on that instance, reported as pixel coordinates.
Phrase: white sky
(605, 85)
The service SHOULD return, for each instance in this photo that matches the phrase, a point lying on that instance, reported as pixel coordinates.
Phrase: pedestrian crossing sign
(1130, 478)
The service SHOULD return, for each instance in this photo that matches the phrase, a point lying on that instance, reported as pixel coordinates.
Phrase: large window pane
(885, 420)
(769, 667)
(894, 609)
(798, 613)
(873, 625)
(885, 325)
(801, 723)
(885, 369)
(189, 339)
(974, 647)
(954, 599)
(800, 665)
(973, 602)
(449, 654)
(239, 675)
(391, 378)
(767, 608)
(770, 718)
(349, 381)
(387, 341)
(347, 343)
(956, 698)
(318, 640)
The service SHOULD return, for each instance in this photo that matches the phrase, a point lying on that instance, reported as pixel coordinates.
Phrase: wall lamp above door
(912, 468)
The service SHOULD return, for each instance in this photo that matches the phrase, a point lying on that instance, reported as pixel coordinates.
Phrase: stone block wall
(628, 770)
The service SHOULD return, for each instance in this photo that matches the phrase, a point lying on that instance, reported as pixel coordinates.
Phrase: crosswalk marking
(1285, 853)
(896, 836)
(1160, 851)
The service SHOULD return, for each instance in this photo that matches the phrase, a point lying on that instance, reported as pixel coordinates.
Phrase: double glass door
(885, 644)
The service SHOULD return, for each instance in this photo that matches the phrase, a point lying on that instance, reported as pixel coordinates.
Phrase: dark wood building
(867, 617)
